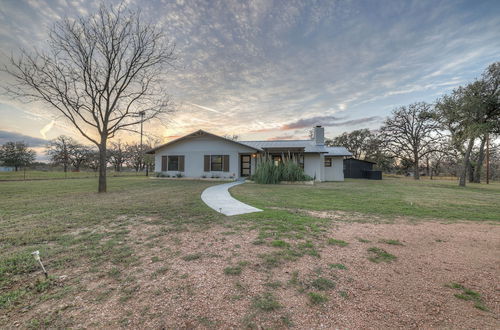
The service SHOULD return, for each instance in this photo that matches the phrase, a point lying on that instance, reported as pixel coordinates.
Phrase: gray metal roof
(307, 145)
(337, 151)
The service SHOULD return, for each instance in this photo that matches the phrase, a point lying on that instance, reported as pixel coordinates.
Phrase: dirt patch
(181, 282)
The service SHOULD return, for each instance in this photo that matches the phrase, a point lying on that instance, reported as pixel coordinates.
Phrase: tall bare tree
(100, 72)
(411, 133)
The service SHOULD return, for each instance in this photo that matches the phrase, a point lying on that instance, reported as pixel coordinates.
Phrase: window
(216, 163)
(328, 162)
(175, 163)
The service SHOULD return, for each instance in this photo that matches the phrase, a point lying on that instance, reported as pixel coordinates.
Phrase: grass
(59, 174)
(468, 295)
(266, 302)
(279, 244)
(380, 255)
(338, 242)
(323, 284)
(233, 270)
(75, 228)
(317, 298)
(390, 197)
(191, 257)
(99, 237)
(391, 241)
(337, 266)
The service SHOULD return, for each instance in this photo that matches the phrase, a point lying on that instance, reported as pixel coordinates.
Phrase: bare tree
(60, 149)
(79, 155)
(135, 156)
(411, 132)
(100, 72)
(117, 155)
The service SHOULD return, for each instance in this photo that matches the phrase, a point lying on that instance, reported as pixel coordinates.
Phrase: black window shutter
(225, 163)
(207, 164)
(164, 163)
(181, 163)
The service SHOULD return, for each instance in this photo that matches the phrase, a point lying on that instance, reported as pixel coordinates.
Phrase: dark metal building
(360, 169)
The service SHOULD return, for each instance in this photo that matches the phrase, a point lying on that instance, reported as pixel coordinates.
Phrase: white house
(202, 154)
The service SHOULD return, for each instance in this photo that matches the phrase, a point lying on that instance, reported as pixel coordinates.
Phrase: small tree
(411, 133)
(103, 72)
(16, 154)
(117, 155)
(60, 151)
(93, 159)
(79, 155)
(135, 156)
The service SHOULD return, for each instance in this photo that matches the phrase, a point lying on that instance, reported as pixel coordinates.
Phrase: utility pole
(487, 159)
(142, 113)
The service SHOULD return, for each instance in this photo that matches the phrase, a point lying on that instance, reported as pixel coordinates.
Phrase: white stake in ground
(36, 255)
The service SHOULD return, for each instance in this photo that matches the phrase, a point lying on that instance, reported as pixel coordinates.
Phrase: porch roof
(292, 145)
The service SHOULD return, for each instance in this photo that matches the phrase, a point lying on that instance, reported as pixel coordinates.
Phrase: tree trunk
(15, 168)
(479, 164)
(463, 170)
(102, 166)
(416, 174)
(470, 171)
(65, 166)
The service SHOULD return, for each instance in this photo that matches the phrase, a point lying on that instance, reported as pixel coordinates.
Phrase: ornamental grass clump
(267, 172)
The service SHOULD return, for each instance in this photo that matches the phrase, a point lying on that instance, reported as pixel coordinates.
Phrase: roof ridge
(276, 140)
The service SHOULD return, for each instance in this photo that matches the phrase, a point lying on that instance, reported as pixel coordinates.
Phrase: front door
(245, 161)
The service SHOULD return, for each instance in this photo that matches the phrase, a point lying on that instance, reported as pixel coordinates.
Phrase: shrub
(269, 173)
(179, 175)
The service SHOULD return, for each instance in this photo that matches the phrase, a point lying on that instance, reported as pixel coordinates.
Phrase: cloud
(6, 136)
(328, 121)
(47, 128)
(206, 108)
(264, 66)
(282, 137)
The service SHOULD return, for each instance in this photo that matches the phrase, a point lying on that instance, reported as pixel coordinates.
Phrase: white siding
(336, 172)
(313, 166)
(195, 148)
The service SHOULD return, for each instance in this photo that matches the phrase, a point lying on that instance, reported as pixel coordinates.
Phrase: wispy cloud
(257, 67)
(6, 136)
(45, 129)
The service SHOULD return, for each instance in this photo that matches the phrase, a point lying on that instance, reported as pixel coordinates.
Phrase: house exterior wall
(336, 171)
(313, 166)
(195, 148)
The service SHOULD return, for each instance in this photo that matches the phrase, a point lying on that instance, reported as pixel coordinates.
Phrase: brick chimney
(319, 135)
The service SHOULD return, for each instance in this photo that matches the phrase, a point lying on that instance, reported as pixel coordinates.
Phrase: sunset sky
(272, 69)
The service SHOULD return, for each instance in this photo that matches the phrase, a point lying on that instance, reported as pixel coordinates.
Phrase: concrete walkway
(219, 199)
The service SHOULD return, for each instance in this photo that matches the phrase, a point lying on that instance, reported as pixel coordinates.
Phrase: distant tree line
(67, 153)
(449, 136)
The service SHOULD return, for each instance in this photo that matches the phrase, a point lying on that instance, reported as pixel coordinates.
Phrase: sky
(268, 69)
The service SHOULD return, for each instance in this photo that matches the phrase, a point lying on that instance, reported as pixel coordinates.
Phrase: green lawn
(389, 197)
(58, 174)
(91, 236)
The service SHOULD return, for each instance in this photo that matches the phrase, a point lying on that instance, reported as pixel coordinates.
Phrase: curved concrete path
(219, 199)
